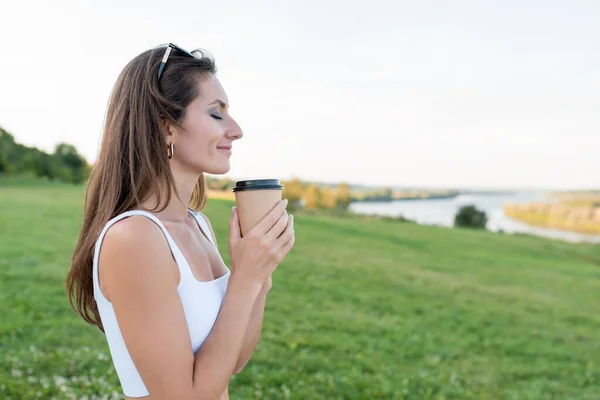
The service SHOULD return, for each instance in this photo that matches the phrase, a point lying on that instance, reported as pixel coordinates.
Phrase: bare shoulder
(141, 277)
(132, 248)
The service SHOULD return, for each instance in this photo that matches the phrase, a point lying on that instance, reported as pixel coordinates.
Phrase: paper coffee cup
(255, 199)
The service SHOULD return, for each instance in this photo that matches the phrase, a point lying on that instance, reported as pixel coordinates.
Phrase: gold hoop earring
(170, 151)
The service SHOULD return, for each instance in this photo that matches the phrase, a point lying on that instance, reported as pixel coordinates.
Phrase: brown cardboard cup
(254, 200)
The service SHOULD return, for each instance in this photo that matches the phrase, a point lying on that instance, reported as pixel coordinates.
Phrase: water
(442, 211)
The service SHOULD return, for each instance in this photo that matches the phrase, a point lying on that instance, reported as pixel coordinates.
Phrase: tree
(7, 143)
(386, 194)
(343, 196)
(226, 184)
(470, 217)
(311, 197)
(292, 191)
(212, 183)
(70, 159)
(327, 198)
(4, 165)
(64, 164)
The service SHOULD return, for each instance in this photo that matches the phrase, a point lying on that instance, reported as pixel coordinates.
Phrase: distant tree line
(384, 194)
(300, 194)
(313, 197)
(65, 164)
(219, 184)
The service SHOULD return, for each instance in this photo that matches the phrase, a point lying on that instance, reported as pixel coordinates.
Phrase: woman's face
(205, 144)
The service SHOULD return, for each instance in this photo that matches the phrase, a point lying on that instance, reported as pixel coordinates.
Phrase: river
(442, 211)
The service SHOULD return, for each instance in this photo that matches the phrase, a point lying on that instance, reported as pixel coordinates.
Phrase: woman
(146, 269)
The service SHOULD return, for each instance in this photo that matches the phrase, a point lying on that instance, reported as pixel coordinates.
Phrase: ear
(167, 129)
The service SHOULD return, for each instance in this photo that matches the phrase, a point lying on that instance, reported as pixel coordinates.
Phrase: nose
(234, 132)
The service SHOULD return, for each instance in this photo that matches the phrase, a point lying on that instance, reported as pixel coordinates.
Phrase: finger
(271, 219)
(287, 233)
(287, 247)
(234, 227)
(278, 228)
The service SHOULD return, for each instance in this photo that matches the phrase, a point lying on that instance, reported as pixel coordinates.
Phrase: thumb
(234, 227)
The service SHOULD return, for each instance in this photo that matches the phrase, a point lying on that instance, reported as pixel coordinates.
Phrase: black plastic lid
(257, 184)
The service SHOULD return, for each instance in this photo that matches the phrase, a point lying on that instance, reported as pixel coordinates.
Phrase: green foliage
(384, 194)
(359, 310)
(292, 191)
(327, 199)
(343, 196)
(312, 197)
(65, 164)
(73, 163)
(224, 184)
(470, 217)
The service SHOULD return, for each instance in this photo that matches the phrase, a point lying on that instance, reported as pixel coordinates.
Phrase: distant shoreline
(436, 196)
(408, 198)
(576, 217)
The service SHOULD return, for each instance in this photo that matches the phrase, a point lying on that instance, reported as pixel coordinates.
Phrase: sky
(461, 94)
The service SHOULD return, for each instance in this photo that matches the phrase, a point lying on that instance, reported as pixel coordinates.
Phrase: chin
(218, 169)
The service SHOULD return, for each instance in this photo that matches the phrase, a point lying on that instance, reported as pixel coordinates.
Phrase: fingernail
(232, 210)
(292, 216)
(286, 201)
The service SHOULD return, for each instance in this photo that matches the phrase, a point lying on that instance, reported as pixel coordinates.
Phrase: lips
(225, 150)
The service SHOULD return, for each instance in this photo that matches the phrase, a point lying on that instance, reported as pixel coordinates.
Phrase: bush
(65, 164)
(470, 217)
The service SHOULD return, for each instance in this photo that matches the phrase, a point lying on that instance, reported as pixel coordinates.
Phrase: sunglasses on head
(170, 47)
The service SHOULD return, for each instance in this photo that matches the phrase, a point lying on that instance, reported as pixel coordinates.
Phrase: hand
(267, 285)
(256, 255)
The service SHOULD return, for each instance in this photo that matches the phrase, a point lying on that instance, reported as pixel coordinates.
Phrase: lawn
(361, 309)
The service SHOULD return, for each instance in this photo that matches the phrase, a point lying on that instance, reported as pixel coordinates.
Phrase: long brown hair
(133, 162)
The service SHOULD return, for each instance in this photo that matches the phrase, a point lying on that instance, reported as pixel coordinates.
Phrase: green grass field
(359, 310)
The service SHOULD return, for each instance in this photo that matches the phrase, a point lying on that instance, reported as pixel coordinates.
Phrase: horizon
(466, 189)
(398, 187)
(420, 96)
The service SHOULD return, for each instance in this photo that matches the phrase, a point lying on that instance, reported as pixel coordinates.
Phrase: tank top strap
(203, 225)
(180, 260)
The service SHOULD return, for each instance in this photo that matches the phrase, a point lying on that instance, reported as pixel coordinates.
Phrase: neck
(177, 209)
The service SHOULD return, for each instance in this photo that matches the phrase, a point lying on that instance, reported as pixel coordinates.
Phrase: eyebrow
(220, 102)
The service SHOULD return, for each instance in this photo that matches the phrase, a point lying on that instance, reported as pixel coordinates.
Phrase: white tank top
(201, 303)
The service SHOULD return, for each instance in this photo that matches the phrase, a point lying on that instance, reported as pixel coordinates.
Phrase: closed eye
(215, 116)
